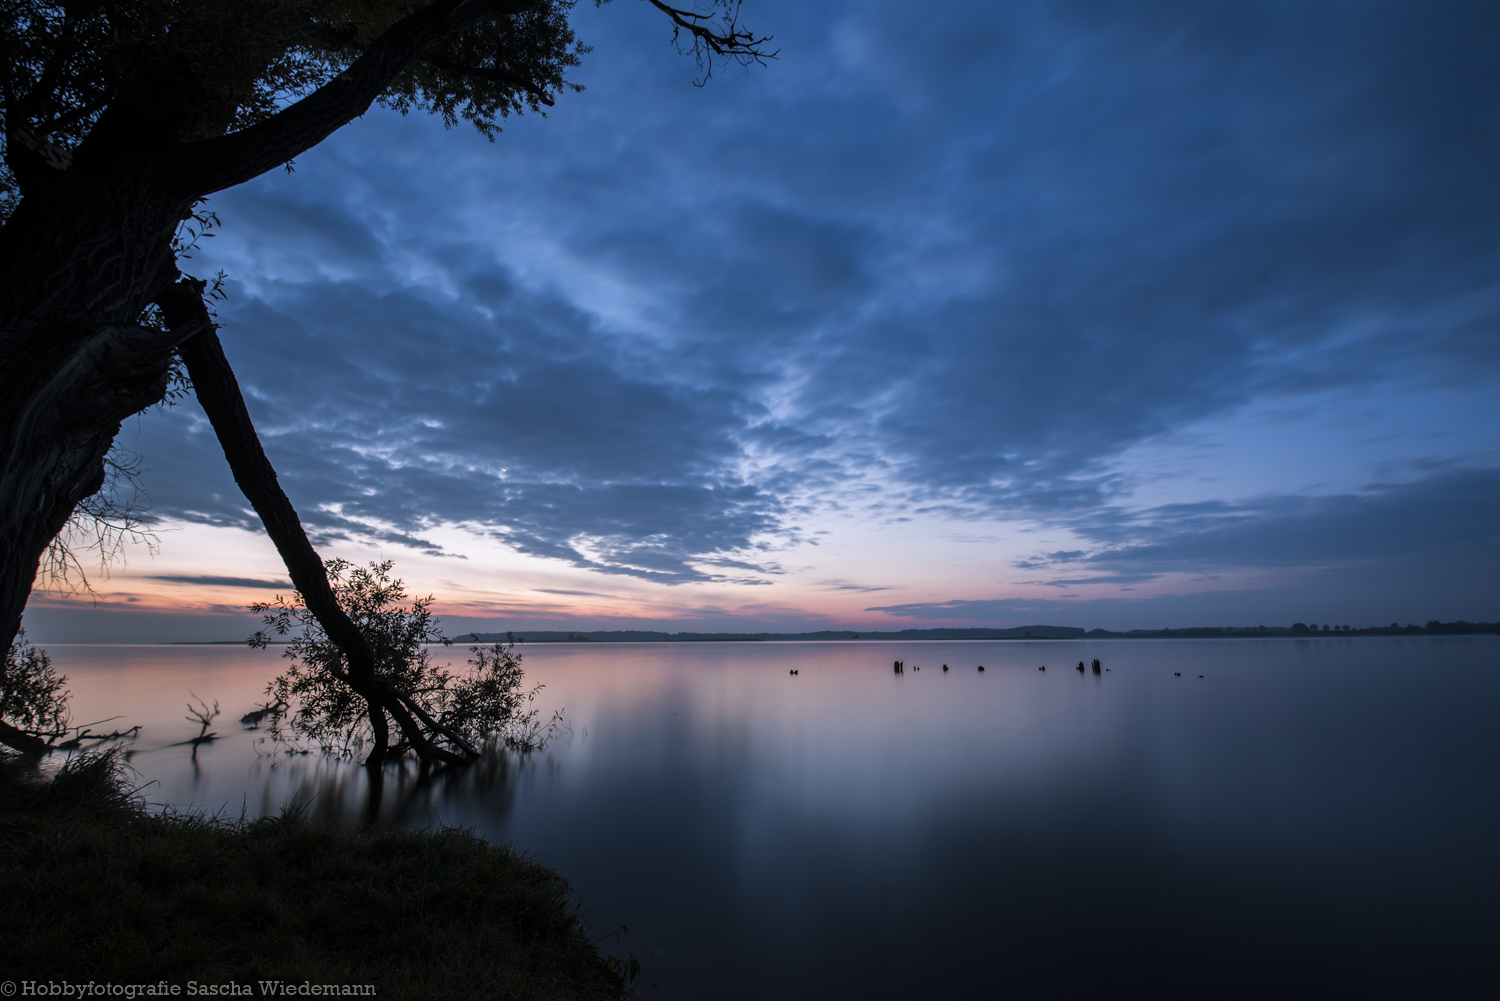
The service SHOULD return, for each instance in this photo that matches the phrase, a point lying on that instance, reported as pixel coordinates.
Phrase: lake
(1310, 817)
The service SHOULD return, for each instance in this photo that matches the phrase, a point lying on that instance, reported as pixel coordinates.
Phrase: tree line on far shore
(1432, 628)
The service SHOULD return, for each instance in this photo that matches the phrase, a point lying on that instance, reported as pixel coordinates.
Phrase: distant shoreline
(1296, 630)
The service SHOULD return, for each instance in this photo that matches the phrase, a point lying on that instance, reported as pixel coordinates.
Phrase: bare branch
(729, 42)
(106, 524)
(70, 118)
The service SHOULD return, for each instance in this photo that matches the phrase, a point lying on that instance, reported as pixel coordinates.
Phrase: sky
(1080, 313)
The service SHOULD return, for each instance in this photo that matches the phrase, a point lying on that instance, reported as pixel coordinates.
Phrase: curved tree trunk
(219, 392)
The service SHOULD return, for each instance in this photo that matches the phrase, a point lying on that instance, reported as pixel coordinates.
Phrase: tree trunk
(219, 392)
(74, 359)
(22, 741)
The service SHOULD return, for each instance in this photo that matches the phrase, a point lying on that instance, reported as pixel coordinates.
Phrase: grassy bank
(95, 888)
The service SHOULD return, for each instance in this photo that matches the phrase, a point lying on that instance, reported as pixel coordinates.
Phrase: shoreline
(101, 889)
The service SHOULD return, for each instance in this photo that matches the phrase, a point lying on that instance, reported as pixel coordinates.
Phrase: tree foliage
(484, 704)
(185, 71)
(211, 67)
(33, 698)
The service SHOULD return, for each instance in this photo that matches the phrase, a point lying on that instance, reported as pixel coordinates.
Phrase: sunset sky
(1081, 313)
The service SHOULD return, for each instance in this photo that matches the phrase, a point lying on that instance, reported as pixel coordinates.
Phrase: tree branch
(71, 118)
(732, 43)
(202, 168)
(436, 727)
(47, 82)
(20, 740)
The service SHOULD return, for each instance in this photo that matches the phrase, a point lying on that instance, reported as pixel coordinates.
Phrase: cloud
(1448, 518)
(1439, 531)
(222, 581)
(932, 265)
(507, 419)
(980, 610)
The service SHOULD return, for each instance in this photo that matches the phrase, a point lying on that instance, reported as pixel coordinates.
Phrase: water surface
(1309, 817)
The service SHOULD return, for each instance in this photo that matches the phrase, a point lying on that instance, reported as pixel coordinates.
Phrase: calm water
(1310, 818)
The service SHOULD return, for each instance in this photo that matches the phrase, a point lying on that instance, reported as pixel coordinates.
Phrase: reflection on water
(1214, 818)
(402, 793)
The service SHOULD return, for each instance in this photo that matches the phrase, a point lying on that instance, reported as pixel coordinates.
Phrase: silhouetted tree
(33, 697)
(467, 709)
(119, 117)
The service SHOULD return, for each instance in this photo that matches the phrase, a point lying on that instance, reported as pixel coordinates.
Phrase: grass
(96, 888)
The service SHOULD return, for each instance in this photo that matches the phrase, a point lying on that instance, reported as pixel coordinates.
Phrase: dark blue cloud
(1442, 519)
(386, 414)
(222, 581)
(1045, 232)
(937, 262)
